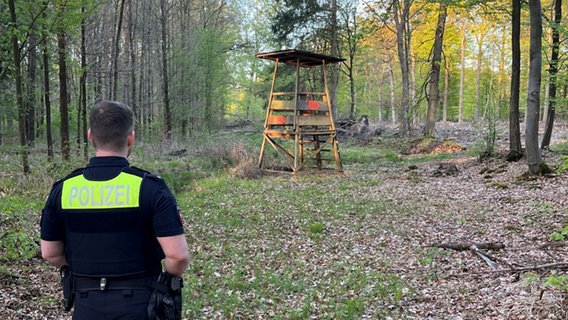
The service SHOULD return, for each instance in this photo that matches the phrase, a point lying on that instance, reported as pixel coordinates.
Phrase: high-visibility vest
(120, 192)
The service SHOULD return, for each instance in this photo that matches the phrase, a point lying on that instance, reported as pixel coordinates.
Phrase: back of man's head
(111, 123)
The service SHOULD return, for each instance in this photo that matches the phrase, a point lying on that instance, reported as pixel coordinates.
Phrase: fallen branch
(477, 249)
(483, 256)
(491, 260)
(463, 246)
(554, 265)
(554, 245)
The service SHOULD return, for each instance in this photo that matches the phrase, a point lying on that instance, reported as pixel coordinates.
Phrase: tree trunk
(83, 88)
(334, 74)
(534, 157)
(463, 30)
(30, 99)
(131, 47)
(115, 52)
(412, 75)
(351, 90)
(165, 81)
(380, 84)
(446, 88)
(553, 74)
(392, 91)
(352, 49)
(47, 97)
(401, 16)
(19, 90)
(434, 91)
(143, 105)
(63, 103)
(502, 75)
(515, 149)
(351, 29)
(480, 38)
(544, 108)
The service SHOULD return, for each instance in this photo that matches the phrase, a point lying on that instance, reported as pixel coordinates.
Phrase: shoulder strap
(136, 171)
(74, 173)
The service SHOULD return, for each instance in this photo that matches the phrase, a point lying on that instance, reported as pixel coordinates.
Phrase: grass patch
(366, 155)
(561, 148)
(263, 243)
(316, 227)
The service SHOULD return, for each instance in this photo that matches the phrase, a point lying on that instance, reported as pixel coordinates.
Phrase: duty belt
(87, 284)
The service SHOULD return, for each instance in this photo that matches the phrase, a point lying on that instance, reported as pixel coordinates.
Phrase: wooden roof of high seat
(295, 57)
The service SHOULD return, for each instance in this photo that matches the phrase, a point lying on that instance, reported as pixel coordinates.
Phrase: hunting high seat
(301, 116)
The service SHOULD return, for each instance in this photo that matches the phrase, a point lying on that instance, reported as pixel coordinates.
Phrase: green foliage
(559, 235)
(560, 282)
(316, 227)
(293, 13)
(563, 166)
(18, 245)
(531, 277)
(18, 228)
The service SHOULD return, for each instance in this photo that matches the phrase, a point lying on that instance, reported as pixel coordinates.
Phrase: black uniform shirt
(157, 216)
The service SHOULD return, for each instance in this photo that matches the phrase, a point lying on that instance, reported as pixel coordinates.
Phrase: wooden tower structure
(299, 123)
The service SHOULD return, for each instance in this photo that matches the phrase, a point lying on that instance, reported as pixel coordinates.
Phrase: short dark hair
(111, 123)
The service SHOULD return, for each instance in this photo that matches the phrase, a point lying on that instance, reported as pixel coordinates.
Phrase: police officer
(111, 225)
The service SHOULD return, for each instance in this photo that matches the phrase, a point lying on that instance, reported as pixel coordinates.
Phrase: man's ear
(130, 139)
(90, 135)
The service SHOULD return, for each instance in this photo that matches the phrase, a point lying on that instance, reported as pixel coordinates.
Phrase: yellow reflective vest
(121, 192)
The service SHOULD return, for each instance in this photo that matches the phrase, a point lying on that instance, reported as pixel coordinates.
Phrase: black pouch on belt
(165, 301)
(67, 286)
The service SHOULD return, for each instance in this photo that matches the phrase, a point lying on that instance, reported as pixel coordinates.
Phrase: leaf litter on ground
(356, 245)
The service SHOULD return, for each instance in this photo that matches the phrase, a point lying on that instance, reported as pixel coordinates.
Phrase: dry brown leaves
(481, 202)
(31, 292)
(473, 207)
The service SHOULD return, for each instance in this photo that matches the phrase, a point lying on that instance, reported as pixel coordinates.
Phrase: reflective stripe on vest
(120, 192)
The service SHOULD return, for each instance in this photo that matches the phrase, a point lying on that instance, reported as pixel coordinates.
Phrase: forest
(189, 67)
(450, 204)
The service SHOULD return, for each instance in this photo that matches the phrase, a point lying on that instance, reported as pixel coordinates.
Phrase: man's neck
(107, 153)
